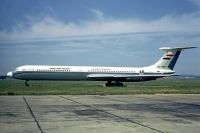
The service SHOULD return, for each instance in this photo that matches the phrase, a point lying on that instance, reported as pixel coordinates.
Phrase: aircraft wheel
(26, 83)
(108, 84)
(119, 84)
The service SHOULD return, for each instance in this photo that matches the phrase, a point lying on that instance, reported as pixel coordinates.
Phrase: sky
(124, 33)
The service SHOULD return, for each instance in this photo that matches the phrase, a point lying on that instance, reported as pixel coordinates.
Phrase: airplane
(113, 75)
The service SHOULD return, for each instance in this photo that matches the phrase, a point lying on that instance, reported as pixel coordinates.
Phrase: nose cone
(9, 74)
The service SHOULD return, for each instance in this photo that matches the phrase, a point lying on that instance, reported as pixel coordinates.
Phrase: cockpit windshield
(21, 68)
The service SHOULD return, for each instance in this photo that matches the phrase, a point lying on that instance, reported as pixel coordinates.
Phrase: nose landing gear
(26, 83)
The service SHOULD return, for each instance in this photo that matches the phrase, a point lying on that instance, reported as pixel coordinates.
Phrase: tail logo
(168, 56)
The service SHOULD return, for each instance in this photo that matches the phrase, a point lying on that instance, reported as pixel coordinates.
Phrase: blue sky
(98, 32)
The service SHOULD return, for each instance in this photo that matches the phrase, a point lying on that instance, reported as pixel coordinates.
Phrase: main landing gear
(26, 83)
(116, 84)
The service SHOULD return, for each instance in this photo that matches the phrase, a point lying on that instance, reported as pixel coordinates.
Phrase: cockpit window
(20, 69)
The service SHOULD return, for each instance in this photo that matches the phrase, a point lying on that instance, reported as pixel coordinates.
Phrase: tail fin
(169, 59)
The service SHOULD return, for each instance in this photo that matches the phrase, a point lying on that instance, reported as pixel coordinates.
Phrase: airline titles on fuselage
(59, 68)
(54, 69)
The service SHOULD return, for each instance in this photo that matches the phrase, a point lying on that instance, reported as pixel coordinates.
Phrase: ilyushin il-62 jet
(114, 76)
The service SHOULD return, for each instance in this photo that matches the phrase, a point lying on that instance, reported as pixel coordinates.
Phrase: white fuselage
(39, 72)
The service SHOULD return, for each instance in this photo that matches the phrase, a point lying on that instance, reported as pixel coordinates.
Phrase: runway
(100, 114)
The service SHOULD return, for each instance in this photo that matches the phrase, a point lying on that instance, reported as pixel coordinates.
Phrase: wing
(125, 77)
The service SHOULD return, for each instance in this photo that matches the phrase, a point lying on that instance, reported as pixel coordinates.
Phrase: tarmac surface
(100, 114)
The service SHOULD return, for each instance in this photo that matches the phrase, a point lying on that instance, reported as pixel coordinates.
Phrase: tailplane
(169, 59)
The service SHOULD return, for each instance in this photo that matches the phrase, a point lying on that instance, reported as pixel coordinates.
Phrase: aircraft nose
(9, 74)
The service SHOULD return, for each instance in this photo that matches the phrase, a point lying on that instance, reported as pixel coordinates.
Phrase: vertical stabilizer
(170, 58)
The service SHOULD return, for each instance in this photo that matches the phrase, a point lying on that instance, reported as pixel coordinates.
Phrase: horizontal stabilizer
(176, 48)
